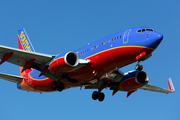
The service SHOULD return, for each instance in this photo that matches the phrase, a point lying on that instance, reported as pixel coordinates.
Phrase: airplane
(95, 66)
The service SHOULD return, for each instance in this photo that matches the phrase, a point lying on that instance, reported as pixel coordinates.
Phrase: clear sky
(64, 25)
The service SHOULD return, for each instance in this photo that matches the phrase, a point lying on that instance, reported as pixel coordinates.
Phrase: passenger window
(96, 46)
(99, 45)
(120, 36)
(87, 50)
(107, 41)
(117, 37)
(114, 38)
(92, 48)
(143, 30)
(104, 43)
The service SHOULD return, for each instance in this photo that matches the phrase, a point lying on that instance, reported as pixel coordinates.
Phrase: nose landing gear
(139, 66)
(141, 57)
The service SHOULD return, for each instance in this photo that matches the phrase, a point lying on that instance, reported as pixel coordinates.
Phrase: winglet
(170, 85)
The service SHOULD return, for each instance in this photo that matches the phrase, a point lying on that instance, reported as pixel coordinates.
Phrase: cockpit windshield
(143, 30)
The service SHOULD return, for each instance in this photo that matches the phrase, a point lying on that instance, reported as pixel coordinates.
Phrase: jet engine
(133, 80)
(64, 62)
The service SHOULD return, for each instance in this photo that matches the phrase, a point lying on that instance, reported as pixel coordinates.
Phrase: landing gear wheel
(139, 67)
(101, 97)
(60, 87)
(95, 95)
(54, 85)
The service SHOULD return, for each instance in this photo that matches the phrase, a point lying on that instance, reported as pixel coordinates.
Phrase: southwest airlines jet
(95, 66)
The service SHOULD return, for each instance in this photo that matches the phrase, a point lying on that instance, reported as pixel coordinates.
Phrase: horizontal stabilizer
(11, 78)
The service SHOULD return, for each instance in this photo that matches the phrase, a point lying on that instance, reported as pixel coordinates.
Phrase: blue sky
(65, 25)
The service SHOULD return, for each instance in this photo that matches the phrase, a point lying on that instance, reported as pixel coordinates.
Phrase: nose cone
(155, 39)
(160, 37)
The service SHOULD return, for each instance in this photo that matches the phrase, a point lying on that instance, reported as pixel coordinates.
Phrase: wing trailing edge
(153, 88)
(11, 78)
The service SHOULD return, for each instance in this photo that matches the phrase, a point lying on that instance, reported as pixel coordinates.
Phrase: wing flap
(11, 78)
(113, 78)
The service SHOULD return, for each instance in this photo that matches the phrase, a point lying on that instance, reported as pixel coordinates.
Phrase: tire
(101, 97)
(139, 67)
(95, 95)
(60, 87)
(54, 85)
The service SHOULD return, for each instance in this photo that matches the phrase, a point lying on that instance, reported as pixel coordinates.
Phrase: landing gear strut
(55, 85)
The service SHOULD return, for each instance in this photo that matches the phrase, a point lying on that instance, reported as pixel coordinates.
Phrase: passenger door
(126, 36)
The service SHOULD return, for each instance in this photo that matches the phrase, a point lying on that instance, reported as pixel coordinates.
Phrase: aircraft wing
(114, 82)
(11, 78)
(110, 80)
(150, 87)
(21, 57)
(36, 60)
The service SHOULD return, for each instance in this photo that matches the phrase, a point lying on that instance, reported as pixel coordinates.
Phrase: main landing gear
(55, 85)
(98, 95)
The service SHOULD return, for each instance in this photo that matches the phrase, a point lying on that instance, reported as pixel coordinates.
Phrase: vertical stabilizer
(24, 43)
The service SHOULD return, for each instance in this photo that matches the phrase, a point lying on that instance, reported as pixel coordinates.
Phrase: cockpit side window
(143, 30)
(149, 30)
(139, 31)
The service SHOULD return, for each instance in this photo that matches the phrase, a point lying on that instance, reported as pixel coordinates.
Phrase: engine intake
(71, 59)
(142, 78)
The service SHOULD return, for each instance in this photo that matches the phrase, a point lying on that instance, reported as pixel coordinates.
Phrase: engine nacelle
(134, 80)
(64, 62)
